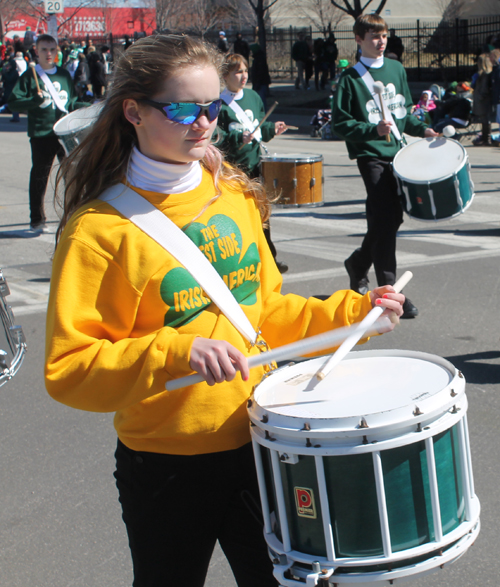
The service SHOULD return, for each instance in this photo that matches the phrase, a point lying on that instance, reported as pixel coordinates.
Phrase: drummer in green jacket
(242, 111)
(373, 140)
(44, 106)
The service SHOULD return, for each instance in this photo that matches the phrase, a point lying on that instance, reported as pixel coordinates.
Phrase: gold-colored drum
(293, 180)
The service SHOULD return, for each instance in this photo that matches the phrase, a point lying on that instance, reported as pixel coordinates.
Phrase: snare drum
(435, 178)
(366, 474)
(296, 180)
(73, 128)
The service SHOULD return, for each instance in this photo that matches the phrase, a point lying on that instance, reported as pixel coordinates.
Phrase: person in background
(495, 88)
(300, 54)
(97, 75)
(482, 99)
(223, 44)
(241, 47)
(320, 64)
(82, 78)
(72, 63)
(331, 54)
(261, 80)
(44, 109)
(358, 120)
(241, 112)
(309, 67)
(394, 45)
(29, 40)
(21, 63)
(10, 75)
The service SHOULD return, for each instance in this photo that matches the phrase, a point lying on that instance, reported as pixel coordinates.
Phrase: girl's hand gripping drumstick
(378, 88)
(33, 65)
(268, 113)
(287, 352)
(359, 330)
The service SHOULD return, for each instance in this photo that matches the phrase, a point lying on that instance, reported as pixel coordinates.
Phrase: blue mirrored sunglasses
(187, 112)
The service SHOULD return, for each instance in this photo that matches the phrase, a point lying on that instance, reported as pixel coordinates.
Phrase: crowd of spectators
(88, 65)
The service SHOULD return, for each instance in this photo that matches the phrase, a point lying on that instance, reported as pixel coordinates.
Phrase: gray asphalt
(60, 523)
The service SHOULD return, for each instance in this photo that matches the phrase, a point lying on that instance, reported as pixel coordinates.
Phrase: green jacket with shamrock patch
(42, 112)
(231, 129)
(355, 114)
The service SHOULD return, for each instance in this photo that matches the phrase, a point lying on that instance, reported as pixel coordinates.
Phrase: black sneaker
(409, 310)
(357, 283)
(282, 267)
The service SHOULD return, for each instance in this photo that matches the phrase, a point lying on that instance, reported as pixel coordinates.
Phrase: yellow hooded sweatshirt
(123, 315)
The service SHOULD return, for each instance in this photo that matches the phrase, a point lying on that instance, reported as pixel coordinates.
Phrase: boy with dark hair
(373, 140)
(44, 108)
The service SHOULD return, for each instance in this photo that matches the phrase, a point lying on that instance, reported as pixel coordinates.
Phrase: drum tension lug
(419, 427)
(455, 410)
(365, 440)
(249, 403)
(264, 419)
(417, 411)
(269, 437)
(453, 393)
(460, 374)
(363, 424)
(307, 427)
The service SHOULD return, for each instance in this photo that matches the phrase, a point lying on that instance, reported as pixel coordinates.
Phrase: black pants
(384, 215)
(43, 152)
(177, 507)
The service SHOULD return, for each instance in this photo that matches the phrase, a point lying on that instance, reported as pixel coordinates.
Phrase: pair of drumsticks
(269, 112)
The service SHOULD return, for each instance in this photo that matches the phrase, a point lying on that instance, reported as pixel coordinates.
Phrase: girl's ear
(131, 111)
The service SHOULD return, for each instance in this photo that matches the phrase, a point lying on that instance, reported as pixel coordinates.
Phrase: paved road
(59, 517)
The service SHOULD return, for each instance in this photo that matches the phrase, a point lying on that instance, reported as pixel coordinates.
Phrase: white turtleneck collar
(163, 178)
(229, 96)
(373, 63)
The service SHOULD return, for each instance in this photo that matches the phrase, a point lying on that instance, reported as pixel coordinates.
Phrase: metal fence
(434, 51)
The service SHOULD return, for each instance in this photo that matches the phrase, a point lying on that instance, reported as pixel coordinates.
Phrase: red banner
(89, 21)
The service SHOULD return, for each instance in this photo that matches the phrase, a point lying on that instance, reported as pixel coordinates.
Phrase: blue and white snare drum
(434, 175)
(366, 475)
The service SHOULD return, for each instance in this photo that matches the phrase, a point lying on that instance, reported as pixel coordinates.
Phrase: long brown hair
(101, 159)
(484, 64)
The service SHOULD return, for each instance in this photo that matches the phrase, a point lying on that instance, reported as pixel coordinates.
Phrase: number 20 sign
(54, 6)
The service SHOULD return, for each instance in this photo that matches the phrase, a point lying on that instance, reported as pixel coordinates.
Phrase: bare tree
(168, 14)
(355, 8)
(451, 9)
(203, 15)
(260, 7)
(321, 14)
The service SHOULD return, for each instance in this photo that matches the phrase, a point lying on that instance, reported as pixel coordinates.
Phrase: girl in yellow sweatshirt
(125, 317)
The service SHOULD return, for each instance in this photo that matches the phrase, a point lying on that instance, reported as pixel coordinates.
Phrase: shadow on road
(476, 369)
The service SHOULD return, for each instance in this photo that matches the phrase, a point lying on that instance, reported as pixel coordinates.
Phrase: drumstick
(268, 113)
(378, 88)
(359, 331)
(32, 65)
(288, 127)
(287, 352)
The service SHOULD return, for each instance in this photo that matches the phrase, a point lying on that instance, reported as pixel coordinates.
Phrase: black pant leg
(43, 152)
(176, 507)
(242, 535)
(384, 215)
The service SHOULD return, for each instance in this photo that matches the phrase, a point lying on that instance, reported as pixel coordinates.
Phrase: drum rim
(283, 159)
(436, 180)
(380, 423)
(90, 120)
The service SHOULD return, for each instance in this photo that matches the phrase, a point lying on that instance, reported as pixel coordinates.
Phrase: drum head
(77, 120)
(292, 158)
(429, 160)
(382, 386)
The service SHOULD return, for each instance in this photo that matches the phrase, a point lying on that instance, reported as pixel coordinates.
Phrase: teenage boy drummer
(357, 119)
(43, 109)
